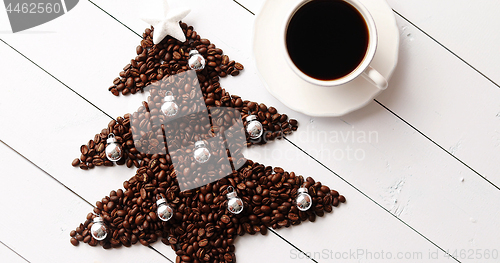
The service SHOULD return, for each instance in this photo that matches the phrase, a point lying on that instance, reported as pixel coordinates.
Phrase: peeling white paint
(454, 148)
(396, 207)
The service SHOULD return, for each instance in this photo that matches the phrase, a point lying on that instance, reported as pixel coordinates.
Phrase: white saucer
(303, 96)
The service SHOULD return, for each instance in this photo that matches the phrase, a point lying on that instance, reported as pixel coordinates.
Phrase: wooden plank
(447, 101)
(41, 213)
(464, 27)
(10, 256)
(405, 173)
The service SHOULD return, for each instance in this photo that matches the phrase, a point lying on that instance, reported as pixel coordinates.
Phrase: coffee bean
(139, 219)
(74, 241)
(293, 217)
(97, 162)
(209, 101)
(139, 50)
(228, 257)
(110, 206)
(235, 72)
(276, 178)
(238, 102)
(283, 209)
(327, 201)
(278, 170)
(144, 242)
(225, 60)
(76, 162)
(84, 149)
(335, 202)
(130, 82)
(203, 243)
(251, 105)
(225, 219)
(238, 66)
(265, 209)
(177, 55)
(121, 213)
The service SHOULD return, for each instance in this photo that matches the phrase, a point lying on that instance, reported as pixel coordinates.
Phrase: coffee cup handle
(375, 78)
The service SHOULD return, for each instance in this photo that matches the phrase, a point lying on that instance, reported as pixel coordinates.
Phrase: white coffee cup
(363, 69)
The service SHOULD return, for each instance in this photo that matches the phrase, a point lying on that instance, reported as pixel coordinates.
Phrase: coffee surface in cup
(327, 39)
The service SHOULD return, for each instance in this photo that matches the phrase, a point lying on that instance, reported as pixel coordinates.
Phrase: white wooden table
(428, 183)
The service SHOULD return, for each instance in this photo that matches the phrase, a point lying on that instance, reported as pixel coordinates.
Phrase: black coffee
(327, 39)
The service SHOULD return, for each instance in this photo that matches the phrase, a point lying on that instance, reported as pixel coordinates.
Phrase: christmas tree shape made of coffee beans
(202, 228)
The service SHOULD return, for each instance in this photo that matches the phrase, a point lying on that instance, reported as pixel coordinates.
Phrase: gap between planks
(13, 251)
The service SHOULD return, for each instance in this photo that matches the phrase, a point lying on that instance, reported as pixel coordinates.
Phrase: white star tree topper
(168, 24)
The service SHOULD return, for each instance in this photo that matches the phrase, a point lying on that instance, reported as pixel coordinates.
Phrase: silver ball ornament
(99, 231)
(164, 211)
(303, 200)
(254, 127)
(196, 61)
(113, 149)
(201, 152)
(169, 107)
(234, 203)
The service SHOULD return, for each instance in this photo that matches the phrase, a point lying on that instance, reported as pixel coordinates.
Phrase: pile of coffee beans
(182, 132)
(148, 131)
(161, 147)
(202, 229)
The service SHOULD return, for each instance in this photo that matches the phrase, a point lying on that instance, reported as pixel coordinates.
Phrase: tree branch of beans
(148, 130)
(202, 229)
(169, 57)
